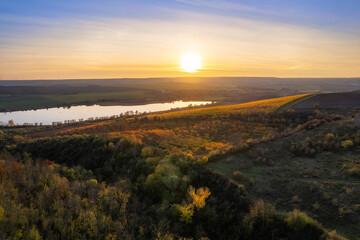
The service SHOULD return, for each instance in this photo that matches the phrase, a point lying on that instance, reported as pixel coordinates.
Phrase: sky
(68, 39)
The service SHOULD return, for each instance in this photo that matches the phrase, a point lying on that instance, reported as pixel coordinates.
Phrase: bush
(91, 183)
(241, 187)
(329, 137)
(260, 217)
(214, 155)
(241, 148)
(185, 212)
(347, 144)
(264, 161)
(331, 236)
(355, 170)
(237, 175)
(298, 220)
(147, 152)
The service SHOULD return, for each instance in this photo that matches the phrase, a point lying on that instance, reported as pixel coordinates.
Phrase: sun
(190, 62)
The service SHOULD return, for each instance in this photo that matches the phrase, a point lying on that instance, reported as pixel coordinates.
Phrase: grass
(169, 85)
(14, 103)
(85, 97)
(25, 102)
(262, 106)
(309, 178)
(295, 101)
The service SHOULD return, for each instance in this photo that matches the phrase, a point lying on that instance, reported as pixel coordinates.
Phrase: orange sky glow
(129, 47)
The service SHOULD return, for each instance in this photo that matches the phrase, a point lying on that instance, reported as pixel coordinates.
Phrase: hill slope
(262, 106)
(331, 100)
(201, 173)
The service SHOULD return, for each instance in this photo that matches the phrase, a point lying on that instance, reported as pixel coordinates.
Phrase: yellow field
(262, 106)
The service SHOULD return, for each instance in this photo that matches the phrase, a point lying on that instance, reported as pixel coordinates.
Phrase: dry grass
(262, 106)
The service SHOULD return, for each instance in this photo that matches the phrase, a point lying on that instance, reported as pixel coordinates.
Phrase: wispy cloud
(225, 5)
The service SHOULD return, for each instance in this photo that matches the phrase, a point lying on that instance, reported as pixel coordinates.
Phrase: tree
(186, 212)
(11, 123)
(34, 234)
(298, 220)
(260, 217)
(199, 197)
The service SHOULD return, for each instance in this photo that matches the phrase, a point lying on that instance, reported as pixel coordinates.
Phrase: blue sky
(318, 13)
(45, 38)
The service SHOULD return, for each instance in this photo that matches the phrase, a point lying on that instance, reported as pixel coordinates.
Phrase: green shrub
(331, 236)
(241, 148)
(91, 183)
(2, 215)
(34, 234)
(214, 154)
(298, 220)
(147, 152)
(241, 187)
(184, 211)
(347, 144)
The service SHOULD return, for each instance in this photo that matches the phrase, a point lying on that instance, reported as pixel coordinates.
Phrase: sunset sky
(48, 39)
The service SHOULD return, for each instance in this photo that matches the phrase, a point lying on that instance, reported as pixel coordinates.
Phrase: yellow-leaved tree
(199, 196)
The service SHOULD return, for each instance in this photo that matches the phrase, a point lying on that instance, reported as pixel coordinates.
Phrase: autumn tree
(197, 199)
(199, 196)
(11, 123)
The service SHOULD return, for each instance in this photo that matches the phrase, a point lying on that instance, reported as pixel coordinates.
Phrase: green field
(58, 100)
(41, 94)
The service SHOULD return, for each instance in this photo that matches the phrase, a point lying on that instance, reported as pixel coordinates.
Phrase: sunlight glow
(190, 62)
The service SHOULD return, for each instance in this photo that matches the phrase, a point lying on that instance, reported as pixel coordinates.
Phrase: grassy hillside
(262, 106)
(311, 170)
(245, 171)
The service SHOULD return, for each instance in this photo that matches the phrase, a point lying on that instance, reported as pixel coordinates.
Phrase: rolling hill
(258, 170)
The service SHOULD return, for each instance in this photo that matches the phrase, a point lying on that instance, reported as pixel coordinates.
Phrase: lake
(48, 116)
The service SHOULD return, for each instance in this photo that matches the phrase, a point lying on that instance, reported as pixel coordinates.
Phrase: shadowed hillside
(332, 101)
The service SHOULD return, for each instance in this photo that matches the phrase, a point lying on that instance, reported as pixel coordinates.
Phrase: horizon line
(144, 78)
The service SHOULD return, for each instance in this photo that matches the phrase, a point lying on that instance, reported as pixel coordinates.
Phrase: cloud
(225, 5)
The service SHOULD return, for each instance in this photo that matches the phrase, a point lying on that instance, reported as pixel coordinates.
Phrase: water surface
(48, 116)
